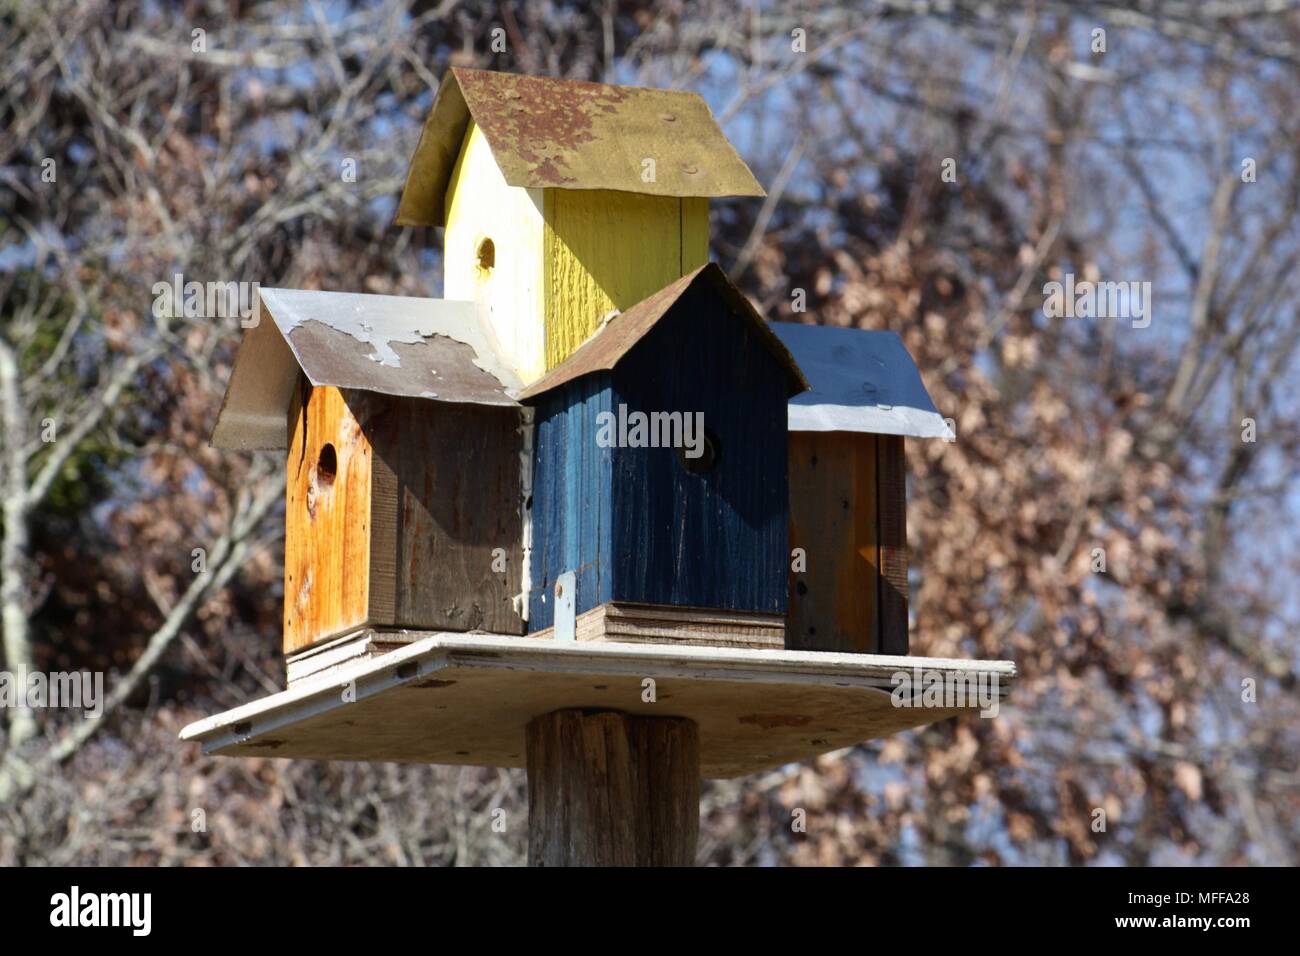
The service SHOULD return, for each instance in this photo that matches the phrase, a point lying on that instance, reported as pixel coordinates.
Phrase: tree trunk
(610, 789)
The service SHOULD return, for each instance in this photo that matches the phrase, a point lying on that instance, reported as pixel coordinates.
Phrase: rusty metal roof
(862, 381)
(421, 348)
(607, 347)
(570, 134)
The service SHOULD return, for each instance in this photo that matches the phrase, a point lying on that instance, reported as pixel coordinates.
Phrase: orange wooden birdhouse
(404, 453)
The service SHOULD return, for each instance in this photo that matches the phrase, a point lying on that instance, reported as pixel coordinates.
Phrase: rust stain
(543, 119)
(433, 684)
(771, 721)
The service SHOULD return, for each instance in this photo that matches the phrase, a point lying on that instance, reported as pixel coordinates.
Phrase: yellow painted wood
(695, 233)
(609, 250)
(562, 259)
(482, 207)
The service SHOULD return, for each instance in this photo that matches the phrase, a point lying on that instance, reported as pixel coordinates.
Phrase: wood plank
(466, 699)
(695, 233)
(892, 491)
(447, 496)
(833, 602)
(715, 537)
(609, 789)
(571, 522)
(696, 627)
(327, 519)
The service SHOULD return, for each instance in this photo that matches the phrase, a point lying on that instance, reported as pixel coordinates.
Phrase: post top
(571, 134)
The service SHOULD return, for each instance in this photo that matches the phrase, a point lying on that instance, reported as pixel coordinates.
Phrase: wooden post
(611, 789)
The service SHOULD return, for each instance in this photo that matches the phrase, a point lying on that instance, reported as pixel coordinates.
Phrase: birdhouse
(848, 498)
(405, 455)
(565, 200)
(660, 506)
(599, 443)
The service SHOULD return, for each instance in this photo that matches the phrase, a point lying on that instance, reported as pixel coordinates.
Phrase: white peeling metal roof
(420, 348)
(862, 381)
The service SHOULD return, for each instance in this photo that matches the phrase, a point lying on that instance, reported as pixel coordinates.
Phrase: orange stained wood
(327, 519)
(833, 604)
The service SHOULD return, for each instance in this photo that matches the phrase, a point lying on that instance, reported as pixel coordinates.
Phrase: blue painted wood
(634, 523)
(571, 498)
(714, 540)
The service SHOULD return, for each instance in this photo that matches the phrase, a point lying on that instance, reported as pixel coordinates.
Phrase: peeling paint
(543, 129)
(382, 320)
(435, 349)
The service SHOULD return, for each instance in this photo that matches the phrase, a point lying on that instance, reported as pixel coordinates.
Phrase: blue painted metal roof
(861, 381)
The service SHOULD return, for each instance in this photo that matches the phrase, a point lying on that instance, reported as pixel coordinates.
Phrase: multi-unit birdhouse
(652, 486)
(591, 466)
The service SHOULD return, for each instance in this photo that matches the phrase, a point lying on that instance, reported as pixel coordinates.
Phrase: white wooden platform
(466, 698)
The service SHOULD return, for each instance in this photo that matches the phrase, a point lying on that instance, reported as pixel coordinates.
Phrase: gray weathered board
(466, 699)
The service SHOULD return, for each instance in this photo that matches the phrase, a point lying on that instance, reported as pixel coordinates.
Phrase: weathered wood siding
(571, 499)
(446, 497)
(404, 534)
(609, 250)
(848, 514)
(633, 523)
(719, 539)
(834, 601)
(891, 469)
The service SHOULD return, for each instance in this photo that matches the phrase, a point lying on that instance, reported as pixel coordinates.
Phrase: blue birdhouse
(660, 501)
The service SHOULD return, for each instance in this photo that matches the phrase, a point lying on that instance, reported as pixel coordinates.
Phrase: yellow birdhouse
(565, 201)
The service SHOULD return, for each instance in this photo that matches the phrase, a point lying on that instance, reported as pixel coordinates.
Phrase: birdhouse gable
(859, 381)
(418, 348)
(569, 134)
(622, 333)
(659, 472)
